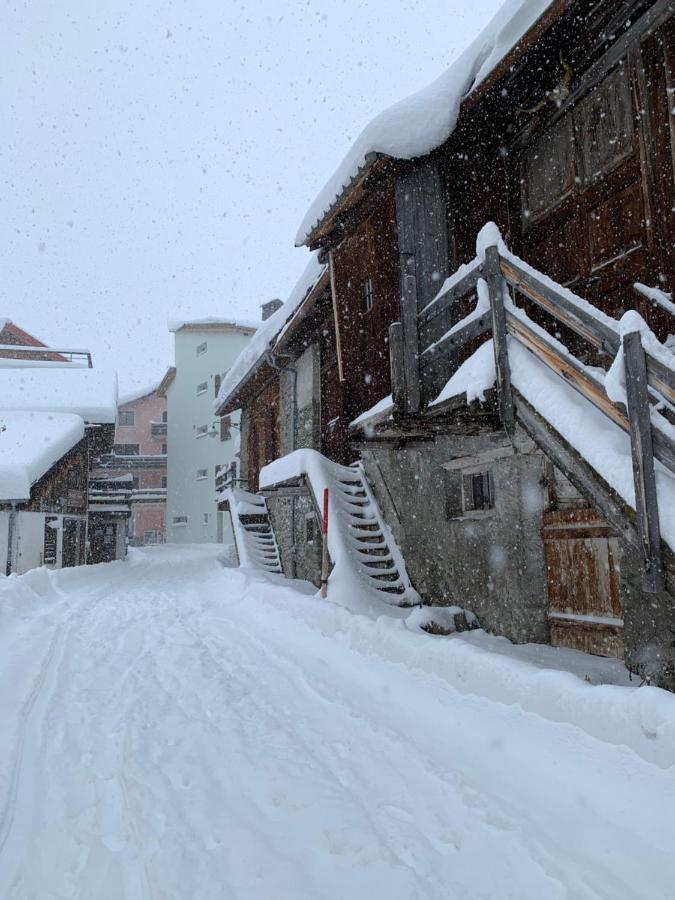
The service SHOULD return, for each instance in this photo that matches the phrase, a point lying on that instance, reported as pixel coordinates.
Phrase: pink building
(139, 456)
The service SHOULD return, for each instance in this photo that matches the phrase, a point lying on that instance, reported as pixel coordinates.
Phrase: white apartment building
(198, 443)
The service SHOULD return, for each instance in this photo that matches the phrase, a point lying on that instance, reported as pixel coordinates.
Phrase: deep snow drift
(177, 729)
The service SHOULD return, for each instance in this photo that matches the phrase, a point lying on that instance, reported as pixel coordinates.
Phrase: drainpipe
(273, 361)
(11, 527)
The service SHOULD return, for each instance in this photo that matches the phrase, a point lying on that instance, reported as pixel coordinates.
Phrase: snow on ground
(176, 729)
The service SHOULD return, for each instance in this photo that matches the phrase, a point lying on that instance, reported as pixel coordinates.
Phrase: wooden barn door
(582, 567)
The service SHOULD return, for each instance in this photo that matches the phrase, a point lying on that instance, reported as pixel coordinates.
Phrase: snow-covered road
(173, 729)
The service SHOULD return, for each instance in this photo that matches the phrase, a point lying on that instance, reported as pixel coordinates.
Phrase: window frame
(126, 413)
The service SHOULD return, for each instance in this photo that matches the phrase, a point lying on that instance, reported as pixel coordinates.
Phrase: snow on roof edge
(269, 331)
(423, 121)
(176, 324)
(30, 444)
(137, 394)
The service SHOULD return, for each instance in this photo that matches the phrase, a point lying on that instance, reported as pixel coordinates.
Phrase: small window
(478, 491)
(163, 449)
(203, 387)
(163, 481)
(310, 528)
(205, 519)
(127, 417)
(164, 417)
(201, 348)
(202, 474)
(126, 449)
(134, 483)
(217, 381)
(49, 549)
(201, 430)
(151, 537)
(225, 426)
(367, 294)
(180, 520)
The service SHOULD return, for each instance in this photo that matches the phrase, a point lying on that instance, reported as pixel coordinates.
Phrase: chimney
(269, 308)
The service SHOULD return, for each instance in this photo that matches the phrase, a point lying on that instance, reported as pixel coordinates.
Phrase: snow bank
(89, 393)
(422, 122)
(30, 444)
(270, 330)
(474, 663)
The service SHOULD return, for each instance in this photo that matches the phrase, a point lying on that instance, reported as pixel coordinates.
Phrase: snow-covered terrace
(268, 336)
(424, 121)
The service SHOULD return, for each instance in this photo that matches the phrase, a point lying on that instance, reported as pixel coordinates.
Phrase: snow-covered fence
(641, 375)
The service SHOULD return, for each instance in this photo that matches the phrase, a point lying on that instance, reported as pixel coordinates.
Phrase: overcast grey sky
(156, 158)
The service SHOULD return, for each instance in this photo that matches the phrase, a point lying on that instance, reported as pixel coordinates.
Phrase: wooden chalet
(55, 419)
(565, 140)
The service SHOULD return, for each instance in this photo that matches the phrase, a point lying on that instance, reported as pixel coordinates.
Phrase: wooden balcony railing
(431, 350)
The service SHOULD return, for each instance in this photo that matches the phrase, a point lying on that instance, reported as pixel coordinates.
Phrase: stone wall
(490, 560)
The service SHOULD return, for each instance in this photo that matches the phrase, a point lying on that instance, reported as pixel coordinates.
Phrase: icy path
(179, 730)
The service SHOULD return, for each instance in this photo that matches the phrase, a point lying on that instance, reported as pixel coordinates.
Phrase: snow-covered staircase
(253, 533)
(361, 545)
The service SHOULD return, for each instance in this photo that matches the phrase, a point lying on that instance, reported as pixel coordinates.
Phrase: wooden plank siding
(264, 435)
(370, 251)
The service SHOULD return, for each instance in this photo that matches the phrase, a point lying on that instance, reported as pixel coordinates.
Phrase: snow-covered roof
(30, 444)
(89, 393)
(138, 393)
(177, 324)
(425, 120)
(270, 330)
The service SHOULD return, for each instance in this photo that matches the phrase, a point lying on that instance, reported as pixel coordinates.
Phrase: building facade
(140, 452)
(575, 167)
(199, 445)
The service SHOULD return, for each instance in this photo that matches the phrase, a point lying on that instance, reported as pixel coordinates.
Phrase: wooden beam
(584, 478)
(450, 344)
(646, 500)
(458, 290)
(336, 318)
(574, 373)
(396, 362)
(495, 283)
(562, 308)
(410, 338)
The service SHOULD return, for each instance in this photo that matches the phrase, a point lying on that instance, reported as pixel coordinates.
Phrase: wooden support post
(646, 501)
(324, 548)
(398, 383)
(495, 283)
(410, 337)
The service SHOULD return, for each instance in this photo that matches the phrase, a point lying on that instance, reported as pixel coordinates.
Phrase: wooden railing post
(410, 336)
(495, 282)
(646, 501)
(398, 384)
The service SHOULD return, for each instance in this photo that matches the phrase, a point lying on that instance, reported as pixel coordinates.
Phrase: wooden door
(582, 568)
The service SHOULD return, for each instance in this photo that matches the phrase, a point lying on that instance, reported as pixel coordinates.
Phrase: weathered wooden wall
(369, 251)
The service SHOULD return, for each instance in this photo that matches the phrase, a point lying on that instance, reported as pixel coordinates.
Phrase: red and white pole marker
(324, 552)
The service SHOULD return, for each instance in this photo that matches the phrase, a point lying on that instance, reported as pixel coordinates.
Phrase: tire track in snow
(32, 715)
